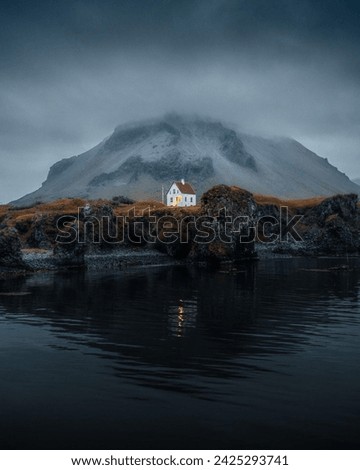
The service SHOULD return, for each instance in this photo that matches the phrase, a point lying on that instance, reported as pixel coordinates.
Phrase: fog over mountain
(73, 70)
(141, 157)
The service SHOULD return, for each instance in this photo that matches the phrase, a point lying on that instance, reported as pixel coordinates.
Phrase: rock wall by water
(230, 224)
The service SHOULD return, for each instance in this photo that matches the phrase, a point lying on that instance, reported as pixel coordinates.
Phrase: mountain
(356, 181)
(139, 158)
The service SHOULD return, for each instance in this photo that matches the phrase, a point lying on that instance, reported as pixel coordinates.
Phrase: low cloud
(72, 71)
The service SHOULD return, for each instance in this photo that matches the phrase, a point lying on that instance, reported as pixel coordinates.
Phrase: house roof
(185, 188)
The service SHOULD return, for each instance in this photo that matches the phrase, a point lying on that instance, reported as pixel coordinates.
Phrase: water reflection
(182, 317)
(253, 312)
(240, 338)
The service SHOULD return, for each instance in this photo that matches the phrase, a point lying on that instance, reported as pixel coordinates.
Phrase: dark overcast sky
(70, 71)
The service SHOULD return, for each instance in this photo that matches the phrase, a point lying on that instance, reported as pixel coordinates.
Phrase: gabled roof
(185, 188)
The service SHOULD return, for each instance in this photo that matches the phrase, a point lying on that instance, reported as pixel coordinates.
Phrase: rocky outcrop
(344, 206)
(10, 249)
(230, 224)
(69, 255)
(97, 227)
(227, 217)
(330, 227)
(41, 233)
(122, 200)
(333, 226)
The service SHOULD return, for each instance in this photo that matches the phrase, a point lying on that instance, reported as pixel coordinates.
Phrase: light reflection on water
(267, 356)
(182, 316)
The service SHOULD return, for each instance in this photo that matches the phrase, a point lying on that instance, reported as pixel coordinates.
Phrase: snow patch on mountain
(137, 159)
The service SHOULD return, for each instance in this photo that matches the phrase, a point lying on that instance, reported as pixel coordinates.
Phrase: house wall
(188, 200)
(175, 198)
(171, 195)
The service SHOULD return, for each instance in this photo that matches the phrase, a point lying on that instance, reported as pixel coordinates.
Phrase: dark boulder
(42, 230)
(10, 249)
(227, 218)
(69, 255)
(97, 228)
(123, 200)
(69, 251)
(341, 205)
(332, 227)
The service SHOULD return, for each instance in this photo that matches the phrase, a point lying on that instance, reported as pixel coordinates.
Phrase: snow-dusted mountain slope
(137, 159)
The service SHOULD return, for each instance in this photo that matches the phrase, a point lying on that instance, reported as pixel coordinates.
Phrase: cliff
(230, 224)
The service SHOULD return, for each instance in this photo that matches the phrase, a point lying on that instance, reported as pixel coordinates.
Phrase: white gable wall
(175, 197)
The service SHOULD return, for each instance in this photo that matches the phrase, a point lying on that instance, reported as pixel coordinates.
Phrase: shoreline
(208, 234)
(45, 261)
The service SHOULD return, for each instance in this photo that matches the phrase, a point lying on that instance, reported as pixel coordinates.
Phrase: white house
(181, 194)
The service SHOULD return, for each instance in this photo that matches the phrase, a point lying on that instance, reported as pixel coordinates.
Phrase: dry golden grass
(262, 199)
(70, 206)
(23, 219)
(34, 250)
(3, 209)
(139, 207)
(142, 207)
(332, 217)
(59, 206)
(182, 210)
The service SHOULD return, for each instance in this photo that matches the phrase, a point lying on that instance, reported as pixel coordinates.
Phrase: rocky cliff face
(330, 227)
(230, 213)
(333, 226)
(10, 249)
(231, 224)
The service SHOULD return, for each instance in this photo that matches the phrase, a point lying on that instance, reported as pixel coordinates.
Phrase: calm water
(267, 357)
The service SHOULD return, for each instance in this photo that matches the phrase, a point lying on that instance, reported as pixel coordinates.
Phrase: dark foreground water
(267, 357)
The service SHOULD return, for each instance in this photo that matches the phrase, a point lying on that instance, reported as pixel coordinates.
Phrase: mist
(72, 71)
